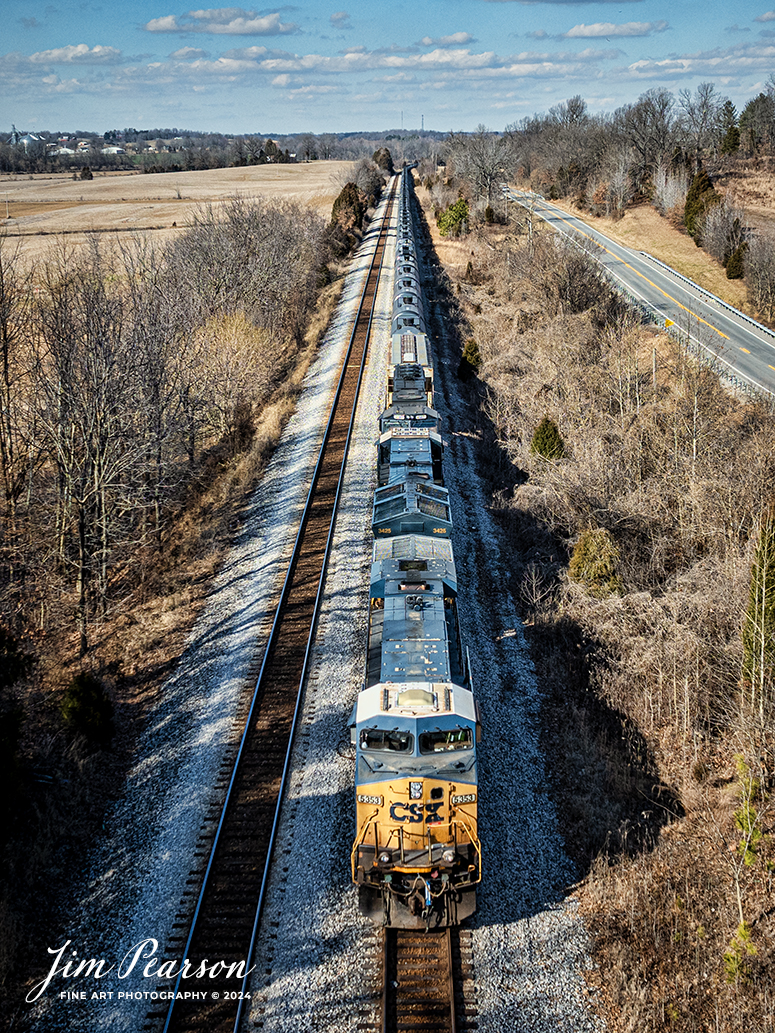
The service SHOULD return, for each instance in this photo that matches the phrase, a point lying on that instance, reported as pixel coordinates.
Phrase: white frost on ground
(133, 880)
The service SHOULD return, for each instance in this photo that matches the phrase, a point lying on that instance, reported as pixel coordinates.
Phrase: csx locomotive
(416, 858)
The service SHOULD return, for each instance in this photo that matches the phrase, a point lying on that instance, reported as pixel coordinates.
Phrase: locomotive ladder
(228, 911)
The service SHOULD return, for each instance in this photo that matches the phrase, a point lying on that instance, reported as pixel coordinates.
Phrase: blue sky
(318, 67)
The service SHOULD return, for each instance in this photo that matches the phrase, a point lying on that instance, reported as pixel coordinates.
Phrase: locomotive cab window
(451, 739)
(382, 739)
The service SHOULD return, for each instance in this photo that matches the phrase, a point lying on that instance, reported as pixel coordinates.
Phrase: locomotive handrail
(454, 824)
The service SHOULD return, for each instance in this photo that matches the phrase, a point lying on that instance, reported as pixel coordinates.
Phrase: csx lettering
(413, 812)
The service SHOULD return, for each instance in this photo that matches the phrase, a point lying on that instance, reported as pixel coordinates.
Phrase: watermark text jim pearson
(144, 951)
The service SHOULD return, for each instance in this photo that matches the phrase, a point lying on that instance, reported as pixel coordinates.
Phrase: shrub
(453, 220)
(87, 709)
(547, 441)
(594, 563)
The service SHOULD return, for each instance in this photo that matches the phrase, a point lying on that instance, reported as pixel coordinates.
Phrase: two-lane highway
(744, 347)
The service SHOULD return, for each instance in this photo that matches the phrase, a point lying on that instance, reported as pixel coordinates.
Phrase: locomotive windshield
(382, 739)
(451, 739)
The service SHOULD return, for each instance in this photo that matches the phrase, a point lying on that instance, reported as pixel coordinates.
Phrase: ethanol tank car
(416, 858)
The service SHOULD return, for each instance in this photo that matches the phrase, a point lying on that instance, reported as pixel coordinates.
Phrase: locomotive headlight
(465, 798)
(415, 790)
(384, 858)
(448, 857)
(376, 800)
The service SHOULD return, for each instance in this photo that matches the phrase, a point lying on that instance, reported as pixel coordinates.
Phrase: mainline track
(418, 991)
(427, 982)
(228, 911)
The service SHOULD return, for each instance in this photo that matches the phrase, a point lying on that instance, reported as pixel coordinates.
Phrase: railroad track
(228, 909)
(426, 982)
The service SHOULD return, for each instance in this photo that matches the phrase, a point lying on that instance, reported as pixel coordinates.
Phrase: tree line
(662, 149)
(122, 369)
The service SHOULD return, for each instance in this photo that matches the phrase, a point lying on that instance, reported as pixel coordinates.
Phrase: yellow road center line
(628, 266)
(745, 350)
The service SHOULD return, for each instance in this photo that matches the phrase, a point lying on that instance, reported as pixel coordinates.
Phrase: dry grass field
(37, 208)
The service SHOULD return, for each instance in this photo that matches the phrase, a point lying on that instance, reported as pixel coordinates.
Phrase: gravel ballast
(315, 964)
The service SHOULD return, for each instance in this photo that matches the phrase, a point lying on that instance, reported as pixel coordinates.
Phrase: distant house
(113, 149)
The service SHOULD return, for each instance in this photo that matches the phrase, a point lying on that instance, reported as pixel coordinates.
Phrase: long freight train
(416, 858)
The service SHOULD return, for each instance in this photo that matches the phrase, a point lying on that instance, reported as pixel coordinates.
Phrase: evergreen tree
(594, 563)
(736, 263)
(699, 199)
(759, 626)
(470, 361)
(731, 141)
(547, 441)
(87, 709)
(454, 219)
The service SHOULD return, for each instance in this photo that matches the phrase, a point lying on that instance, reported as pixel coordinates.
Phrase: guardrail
(708, 294)
(650, 314)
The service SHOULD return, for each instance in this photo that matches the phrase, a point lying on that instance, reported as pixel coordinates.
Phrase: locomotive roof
(412, 547)
(409, 346)
(415, 700)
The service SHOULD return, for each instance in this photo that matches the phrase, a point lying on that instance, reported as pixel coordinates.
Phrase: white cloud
(169, 23)
(607, 29)
(340, 18)
(455, 39)
(224, 21)
(188, 54)
(738, 60)
(768, 16)
(77, 54)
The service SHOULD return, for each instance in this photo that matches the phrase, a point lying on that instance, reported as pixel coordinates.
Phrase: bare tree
(649, 127)
(482, 158)
(18, 448)
(760, 274)
(86, 409)
(701, 117)
(670, 187)
(724, 229)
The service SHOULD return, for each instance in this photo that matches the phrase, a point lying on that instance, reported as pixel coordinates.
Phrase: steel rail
(287, 584)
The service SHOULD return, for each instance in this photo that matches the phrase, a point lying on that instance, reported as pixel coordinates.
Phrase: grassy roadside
(643, 229)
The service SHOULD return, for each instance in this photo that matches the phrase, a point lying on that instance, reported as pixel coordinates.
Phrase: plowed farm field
(36, 210)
